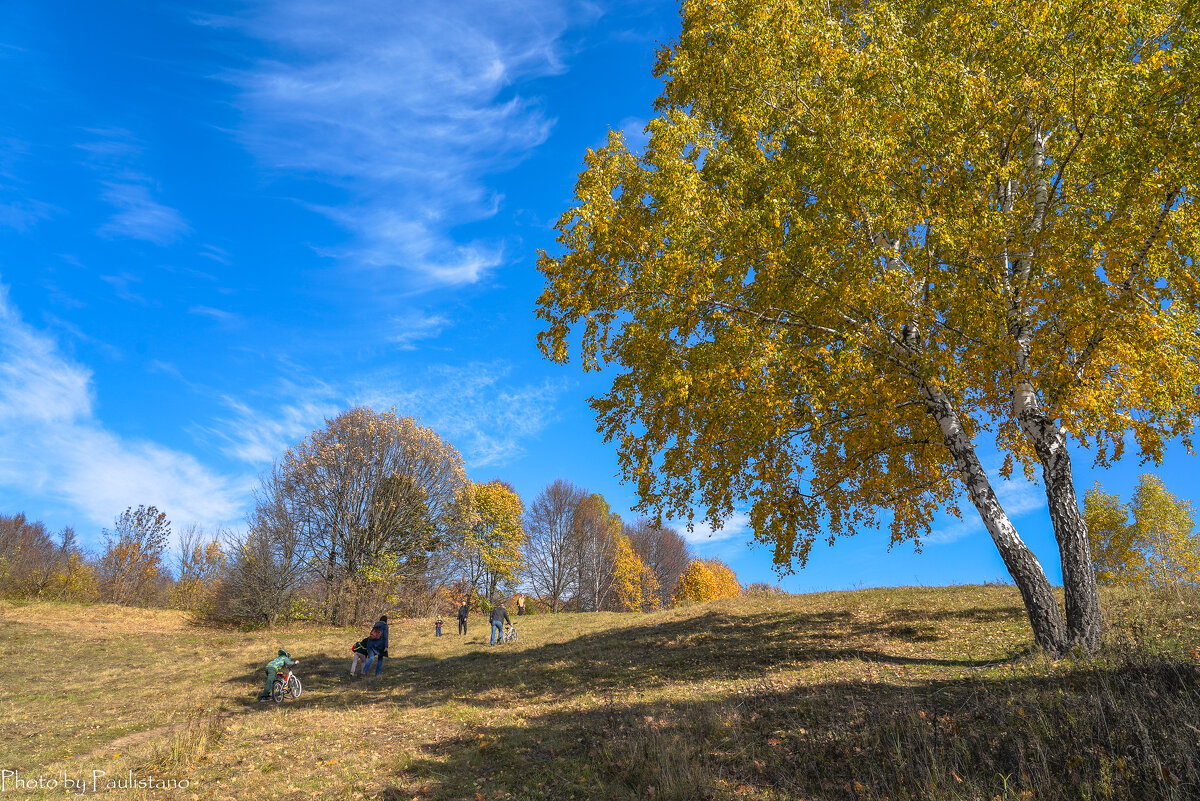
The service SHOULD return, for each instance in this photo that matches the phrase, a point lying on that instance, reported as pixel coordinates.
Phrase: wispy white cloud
(18, 209)
(736, 526)
(477, 406)
(117, 156)
(123, 286)
(138, 215)
(1017, 496)
(259, 435)
(408, 329)
(633, 129)
(220, 315)
(53, 447)
(22, 215)
(405, 107)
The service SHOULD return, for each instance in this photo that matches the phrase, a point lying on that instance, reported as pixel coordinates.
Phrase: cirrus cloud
(54, 448)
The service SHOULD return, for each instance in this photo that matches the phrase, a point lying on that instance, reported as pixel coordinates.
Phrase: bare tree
(267, 566)
(31, 564)
(664, 551)
(201, 564)
(130, 571)
(550, 554)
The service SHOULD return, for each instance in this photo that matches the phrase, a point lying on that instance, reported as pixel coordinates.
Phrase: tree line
(372, 511)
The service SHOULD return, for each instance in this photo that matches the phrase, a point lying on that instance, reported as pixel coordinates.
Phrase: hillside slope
(896, 693)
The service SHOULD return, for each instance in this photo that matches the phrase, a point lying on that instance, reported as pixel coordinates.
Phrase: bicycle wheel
(277, 691)
(294, 686)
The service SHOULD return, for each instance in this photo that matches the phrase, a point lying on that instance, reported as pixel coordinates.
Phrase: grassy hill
(891, 693)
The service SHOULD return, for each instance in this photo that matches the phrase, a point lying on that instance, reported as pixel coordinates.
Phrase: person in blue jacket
(377, 648)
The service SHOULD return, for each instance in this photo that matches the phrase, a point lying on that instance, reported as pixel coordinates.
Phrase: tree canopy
(491, 538)
(1159, 547)
(371, 494)
(862, 238)
(706, 580)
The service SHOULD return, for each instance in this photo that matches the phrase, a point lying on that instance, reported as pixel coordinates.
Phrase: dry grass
(897, 693)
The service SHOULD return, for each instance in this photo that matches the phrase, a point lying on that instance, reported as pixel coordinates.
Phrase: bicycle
(286, 683)
(510, 633)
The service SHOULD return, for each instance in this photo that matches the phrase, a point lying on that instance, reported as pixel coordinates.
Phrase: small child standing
(359, 649)
(437, 627)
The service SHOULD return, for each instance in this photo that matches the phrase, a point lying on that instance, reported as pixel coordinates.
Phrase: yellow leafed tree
(864, 240)
(634, 584)
(707, 580)
(1159, 547)
(493, 537)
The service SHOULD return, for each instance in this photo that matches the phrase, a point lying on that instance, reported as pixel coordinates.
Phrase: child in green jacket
(273, 667)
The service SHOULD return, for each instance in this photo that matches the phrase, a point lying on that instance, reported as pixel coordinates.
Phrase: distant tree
(75, 576)
(201, 566)
(266, 568)
(664, 551)
(707, 580)
(130, 570)
(368, 496)
(491, 539)
(762, 589)
(635, 586)
(863, 240)
(595, 531)
(29, 558)
(1159, 547)
(550, 559)
(1117, 557)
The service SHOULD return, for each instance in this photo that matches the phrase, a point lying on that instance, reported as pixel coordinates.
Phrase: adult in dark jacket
(378, 648)
(499, 618)
(463, 611)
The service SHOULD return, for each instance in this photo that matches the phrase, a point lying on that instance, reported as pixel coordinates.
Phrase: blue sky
(221, 223)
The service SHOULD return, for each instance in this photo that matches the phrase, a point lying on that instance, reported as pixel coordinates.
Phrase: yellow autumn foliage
(862, 241)
(706, 580)
(634, 583)
(1159, 547)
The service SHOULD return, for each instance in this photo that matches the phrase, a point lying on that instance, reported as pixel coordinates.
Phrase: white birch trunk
(1045, 617)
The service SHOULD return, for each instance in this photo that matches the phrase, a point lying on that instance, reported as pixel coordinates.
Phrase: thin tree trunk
(1085, 622)
(1045, 617)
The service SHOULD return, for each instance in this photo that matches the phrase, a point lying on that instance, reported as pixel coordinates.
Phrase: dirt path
(127, 742)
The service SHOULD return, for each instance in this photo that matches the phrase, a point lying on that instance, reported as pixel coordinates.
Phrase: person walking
(377, 643)
(499, 618)
(463, 611)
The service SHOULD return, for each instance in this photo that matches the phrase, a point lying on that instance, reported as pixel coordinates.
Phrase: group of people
(374, 647)
(499, 616)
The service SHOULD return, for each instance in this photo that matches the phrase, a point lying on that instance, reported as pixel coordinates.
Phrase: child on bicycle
(284, 660)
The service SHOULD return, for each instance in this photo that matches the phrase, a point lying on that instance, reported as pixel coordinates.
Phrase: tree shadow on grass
(712, 647)
(1076, 734)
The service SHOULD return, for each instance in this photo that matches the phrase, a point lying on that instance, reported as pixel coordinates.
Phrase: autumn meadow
(911, 693)
(862, 270)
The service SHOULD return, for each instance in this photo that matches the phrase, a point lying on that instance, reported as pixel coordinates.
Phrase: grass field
(893, 693)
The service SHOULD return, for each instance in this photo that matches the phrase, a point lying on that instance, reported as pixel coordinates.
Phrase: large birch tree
(866, 239)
